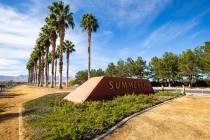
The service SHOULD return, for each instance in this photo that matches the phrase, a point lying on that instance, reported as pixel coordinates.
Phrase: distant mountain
(20, 78)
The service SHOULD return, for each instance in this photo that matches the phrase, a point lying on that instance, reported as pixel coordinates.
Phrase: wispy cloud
(17, 29)
(14, 53)
(122, 11)
(129, 11)
(18, 32)
(168, 32)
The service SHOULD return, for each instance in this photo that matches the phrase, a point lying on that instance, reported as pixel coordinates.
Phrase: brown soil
(186, 118)
(11, 102)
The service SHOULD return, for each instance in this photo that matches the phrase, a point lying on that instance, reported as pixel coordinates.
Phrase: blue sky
(128, 28)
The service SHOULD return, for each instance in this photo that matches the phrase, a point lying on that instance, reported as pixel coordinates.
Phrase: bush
(52, 118)
(201, 83)
(196, 83)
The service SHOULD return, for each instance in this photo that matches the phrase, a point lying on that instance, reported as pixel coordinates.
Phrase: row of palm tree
(60, 18)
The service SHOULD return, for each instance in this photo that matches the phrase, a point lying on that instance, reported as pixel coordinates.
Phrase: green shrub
(50, 117)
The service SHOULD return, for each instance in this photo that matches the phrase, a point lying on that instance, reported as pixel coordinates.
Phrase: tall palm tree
(38, 48)
(42, 60)
(56, 58)
(89, 24)
(29, 66)
(34, 57)
(49, 61)
(64, 19)
(46, 32)
(68, 48)
(52, 24)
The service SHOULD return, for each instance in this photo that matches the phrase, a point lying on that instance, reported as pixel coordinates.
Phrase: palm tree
(38, 48)
(89, 24)
(29, 66)
(64, 19)
(68, 48)
(34, 59)
(46, 32)
(56, 58)
(49, 62)
(52, 24)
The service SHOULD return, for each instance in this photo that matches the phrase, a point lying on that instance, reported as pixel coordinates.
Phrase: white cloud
(18, 32)
(168, 32)
(17, 29)
(11, 53)
(121, 11)
(124, 52)
(135, 10)
(8, 62)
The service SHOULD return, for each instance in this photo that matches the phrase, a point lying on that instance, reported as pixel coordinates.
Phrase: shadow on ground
(8, 116)
(10, 95)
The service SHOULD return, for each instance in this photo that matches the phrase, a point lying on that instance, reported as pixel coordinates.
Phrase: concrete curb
(130, 117)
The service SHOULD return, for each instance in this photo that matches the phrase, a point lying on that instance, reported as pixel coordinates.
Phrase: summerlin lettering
(126, 85)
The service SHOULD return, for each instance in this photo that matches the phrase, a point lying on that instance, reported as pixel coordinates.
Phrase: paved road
(193, 91)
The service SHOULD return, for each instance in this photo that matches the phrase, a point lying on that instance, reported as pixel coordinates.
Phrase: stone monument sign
(105, 88)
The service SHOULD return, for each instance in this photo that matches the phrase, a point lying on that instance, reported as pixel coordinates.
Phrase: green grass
(166, 93)
(50, 117)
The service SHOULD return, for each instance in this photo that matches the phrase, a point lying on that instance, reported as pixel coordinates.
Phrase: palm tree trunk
(46, 66)
(62, 34)
(34, 73)
(28, 76)
(54, 36)
(35, 65)
(55, 70)
(31, 81)
(89, 60)
(48, 73)
(42, 68)
(42, 82)
(39, 74)
(67, 71)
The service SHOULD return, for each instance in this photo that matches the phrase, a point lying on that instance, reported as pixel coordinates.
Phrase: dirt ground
(185, 118)
(11, 102)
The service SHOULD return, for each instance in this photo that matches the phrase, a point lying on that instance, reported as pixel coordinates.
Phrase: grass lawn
(50, 117)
